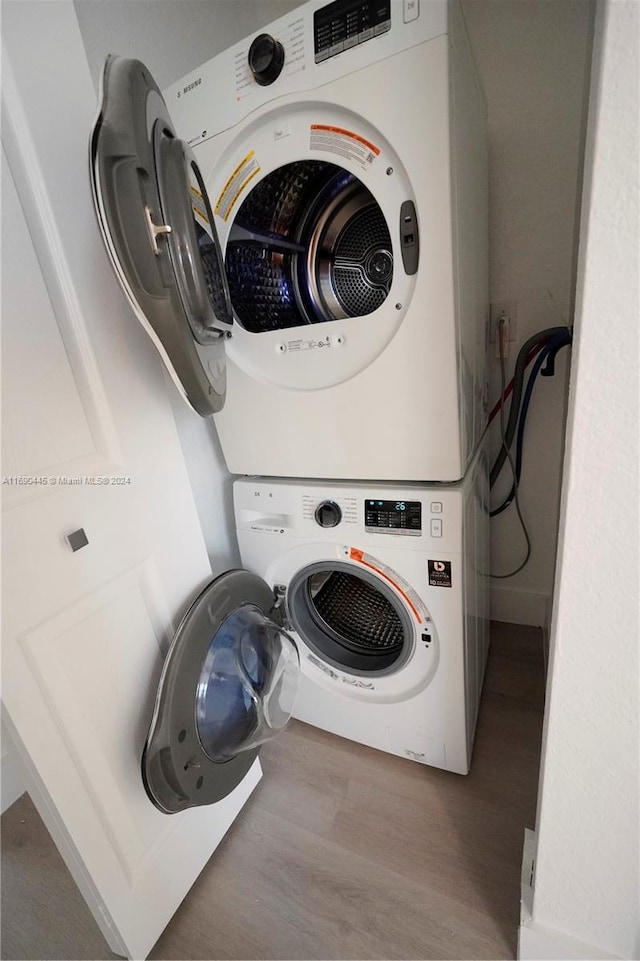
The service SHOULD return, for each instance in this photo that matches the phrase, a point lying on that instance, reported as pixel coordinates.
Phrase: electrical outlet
(505, 308)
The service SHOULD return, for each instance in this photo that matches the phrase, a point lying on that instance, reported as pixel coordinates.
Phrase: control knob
(266, 59)
(328, 514)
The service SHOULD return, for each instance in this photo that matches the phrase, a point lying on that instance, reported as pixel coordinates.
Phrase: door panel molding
(129, 611)
(22, 158)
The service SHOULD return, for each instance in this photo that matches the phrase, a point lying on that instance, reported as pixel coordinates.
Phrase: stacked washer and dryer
(331, 296)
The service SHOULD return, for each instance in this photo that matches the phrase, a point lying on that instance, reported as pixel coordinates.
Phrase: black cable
(516, 397)
(513, 470)
(548, 353)
(540, 359)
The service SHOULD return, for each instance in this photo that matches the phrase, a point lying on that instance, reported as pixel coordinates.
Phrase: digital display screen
(346, 23)
(393, 515)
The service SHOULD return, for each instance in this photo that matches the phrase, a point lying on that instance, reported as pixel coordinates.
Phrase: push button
(436, 507)
(436, 527)
(410, 10)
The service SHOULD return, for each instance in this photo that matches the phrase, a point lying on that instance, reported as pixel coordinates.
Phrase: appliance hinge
(280, 606)
(155, 231)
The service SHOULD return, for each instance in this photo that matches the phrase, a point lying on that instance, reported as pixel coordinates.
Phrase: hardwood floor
(342, 852)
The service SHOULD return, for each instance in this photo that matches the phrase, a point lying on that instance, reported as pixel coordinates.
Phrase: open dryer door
(228, 685)
(156, 220)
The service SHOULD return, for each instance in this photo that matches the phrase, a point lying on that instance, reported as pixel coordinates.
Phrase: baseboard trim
(11, 780)
(536, 942)
(519, 607)
(546, 634)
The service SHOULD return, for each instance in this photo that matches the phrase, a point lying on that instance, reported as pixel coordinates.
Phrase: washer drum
(352, 620)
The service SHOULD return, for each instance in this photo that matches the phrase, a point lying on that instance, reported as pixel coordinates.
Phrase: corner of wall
(520, 607)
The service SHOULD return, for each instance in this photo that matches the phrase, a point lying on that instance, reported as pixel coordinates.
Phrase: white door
(84, 401)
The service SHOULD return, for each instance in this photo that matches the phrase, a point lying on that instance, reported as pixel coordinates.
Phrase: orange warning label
(357, 555)
(343, 142)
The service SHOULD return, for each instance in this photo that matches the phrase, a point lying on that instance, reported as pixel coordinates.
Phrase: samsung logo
(190, 87)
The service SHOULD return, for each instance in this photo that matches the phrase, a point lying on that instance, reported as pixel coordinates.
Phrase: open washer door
(156, 220)
(228, 685)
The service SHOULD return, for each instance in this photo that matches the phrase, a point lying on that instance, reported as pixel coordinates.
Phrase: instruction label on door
(439, 573)
(343, 142)
(300, 344)
(237, 182)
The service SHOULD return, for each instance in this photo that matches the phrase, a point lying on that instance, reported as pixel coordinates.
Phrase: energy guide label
(237, 182)
(343, 142)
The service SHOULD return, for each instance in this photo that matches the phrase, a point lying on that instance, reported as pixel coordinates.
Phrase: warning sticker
(439, 573)
(400, 585)
(343, 142)
(244, 172)
(198, 206)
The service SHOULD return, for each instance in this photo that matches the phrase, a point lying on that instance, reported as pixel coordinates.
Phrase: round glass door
(159, 231)
(228, 684)
(247, 685)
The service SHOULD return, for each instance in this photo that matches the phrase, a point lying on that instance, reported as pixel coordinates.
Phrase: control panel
(350, 515)
(393, 516)
(346, 23)
(295, 55)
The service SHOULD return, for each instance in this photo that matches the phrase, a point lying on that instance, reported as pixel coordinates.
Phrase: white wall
(172, 37)
(586, 877)
(532, 56)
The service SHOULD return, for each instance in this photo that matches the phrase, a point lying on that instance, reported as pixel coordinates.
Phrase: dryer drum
(309, 244)
(351, 620)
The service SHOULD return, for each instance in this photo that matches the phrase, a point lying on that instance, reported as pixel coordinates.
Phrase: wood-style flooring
(342, 852)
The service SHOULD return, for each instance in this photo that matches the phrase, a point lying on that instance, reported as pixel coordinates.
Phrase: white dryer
(384, 590)
(344, 152)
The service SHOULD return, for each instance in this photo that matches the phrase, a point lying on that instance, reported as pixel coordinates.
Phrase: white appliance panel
(398, 392)
(426, 707)
(223, 92)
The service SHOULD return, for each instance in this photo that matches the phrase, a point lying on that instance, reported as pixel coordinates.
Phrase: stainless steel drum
(351, 619)
(309, 244)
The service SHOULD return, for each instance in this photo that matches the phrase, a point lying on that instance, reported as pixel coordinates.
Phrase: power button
(410, 10)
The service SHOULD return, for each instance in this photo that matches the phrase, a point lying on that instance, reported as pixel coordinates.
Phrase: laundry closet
(311, 263)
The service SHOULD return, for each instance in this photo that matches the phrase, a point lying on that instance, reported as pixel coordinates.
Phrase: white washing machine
(343, 150)
(384, 590)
